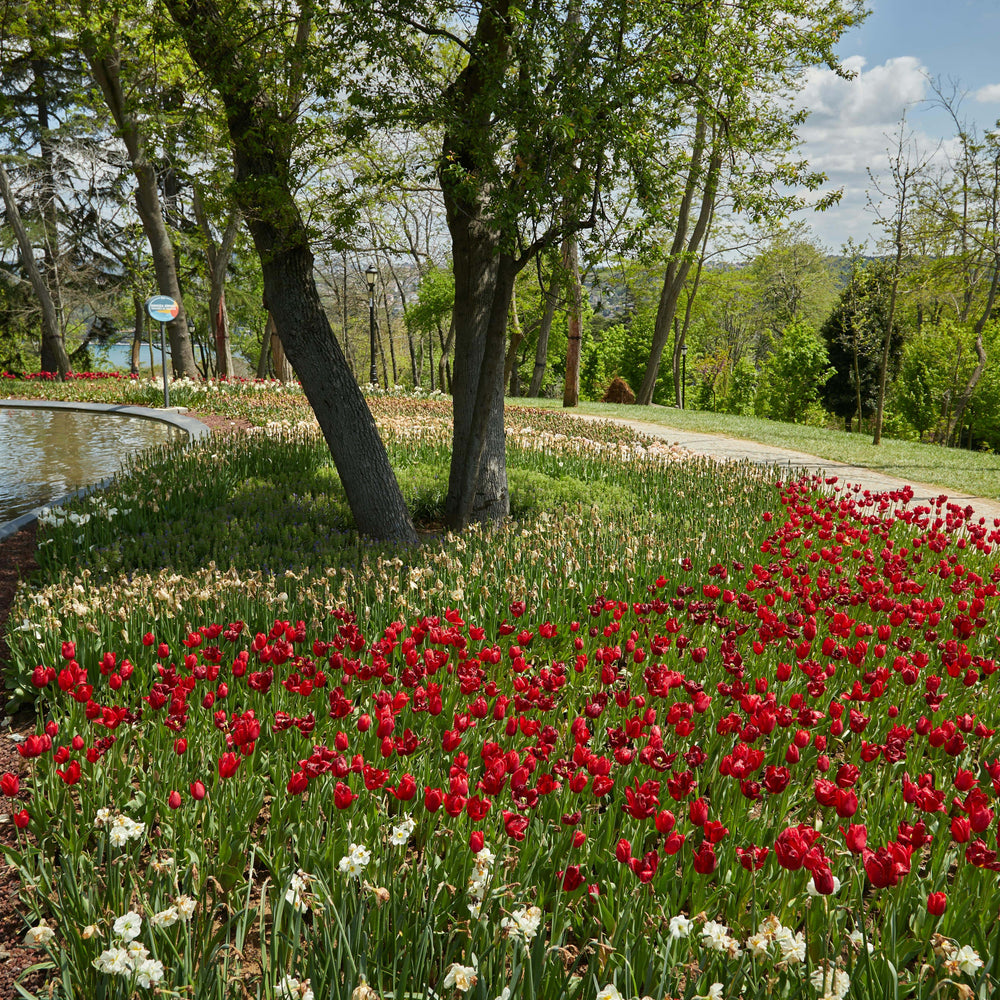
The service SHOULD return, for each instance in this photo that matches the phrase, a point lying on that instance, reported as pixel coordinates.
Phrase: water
(45, 454)
(120, 356)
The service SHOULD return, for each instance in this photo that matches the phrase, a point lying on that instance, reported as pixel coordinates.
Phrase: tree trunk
(542, 348)
(680, 263)
(105, 64)
(53, 353)
(279, 362)
(218, 264)
(261, 156)
(574, 338)
(140, 322)
(516, 336)
(484, 284)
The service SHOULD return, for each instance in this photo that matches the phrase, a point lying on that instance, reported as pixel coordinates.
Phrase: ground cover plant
(687, 734)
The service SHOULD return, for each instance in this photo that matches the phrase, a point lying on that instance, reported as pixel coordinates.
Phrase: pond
(48, 453)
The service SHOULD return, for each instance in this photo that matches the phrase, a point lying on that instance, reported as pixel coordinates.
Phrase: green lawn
(953, 469)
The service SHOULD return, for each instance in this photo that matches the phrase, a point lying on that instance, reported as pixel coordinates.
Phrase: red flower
(961, 829)
(571, 878)
(433, 798)
(623, 851)
(228, 764)
(856, 836)
(406, 789)
(937, 903)
(197, 790)
(342, 795)
(297, 783)
(705, 861)
(10, 785)
(823, 880)
(21, 819)
(515, 825)
(476, 841)
(174, 800)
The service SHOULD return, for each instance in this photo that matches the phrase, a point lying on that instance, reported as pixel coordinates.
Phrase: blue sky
(900, 45)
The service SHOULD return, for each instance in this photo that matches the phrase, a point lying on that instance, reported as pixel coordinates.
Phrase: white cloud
(876, 96)
(989, 94)
(850, 129)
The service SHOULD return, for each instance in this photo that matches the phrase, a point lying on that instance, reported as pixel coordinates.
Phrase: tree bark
(105, 64)
(262, 159)
(574, 323)
(680, 263)
(516, 336)
(484, 284)
(138, 307)
(53, 348)
(542, 348)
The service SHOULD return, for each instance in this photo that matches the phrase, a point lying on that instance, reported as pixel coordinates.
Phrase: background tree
(854, 334)
(794, 375)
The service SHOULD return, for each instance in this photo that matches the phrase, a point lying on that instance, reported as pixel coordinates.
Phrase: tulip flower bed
(778, 775)
(671, 733)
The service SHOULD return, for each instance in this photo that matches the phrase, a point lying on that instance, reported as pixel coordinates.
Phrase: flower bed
(774, 776)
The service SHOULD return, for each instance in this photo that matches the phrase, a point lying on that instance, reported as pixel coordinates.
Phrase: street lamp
(370, 275)
(684, 371)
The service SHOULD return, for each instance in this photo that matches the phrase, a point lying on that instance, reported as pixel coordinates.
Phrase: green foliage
(854, 334)
(794, 375)
(435, 300)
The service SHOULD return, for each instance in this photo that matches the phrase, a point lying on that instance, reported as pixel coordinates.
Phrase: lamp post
(684, 371)
(370, 275)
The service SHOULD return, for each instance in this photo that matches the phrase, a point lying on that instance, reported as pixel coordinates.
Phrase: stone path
(730, 449)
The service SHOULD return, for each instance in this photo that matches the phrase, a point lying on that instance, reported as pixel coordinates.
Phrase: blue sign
(162, 308)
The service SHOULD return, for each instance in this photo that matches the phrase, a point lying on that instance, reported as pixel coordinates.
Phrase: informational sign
(162, 308)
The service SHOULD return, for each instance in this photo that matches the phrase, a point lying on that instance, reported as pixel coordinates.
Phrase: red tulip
(937, 903)
(297, 783)
(21, 819)
(197, 790)
(704, 859)
(476, 841)
(342, 795)
(174, 800)
(856, 837)
(228, 764)
(10, 785)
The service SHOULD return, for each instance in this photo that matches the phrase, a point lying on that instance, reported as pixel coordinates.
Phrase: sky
(896, 53)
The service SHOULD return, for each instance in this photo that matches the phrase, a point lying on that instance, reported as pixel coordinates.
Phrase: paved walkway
(730, 449)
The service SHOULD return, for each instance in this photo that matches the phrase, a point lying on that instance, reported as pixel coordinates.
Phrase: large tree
(260, 70)
(737, 130)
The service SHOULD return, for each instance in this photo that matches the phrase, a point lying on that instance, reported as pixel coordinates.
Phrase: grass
(954, 469)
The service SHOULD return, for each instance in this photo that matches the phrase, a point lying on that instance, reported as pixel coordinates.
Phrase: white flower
(680, 927)
(857, 938)
(523, 923)
(294, 895)
(291, 989)
(165, 918)
(40, 936)
(128, 925)
(793, 946)
(461, 977)
(149, 972)
(113, 962)
(124, 829)
(505, 994)
(714, 993)
(354, 862)
(968, 960)
(715, 935)
(758, 944)
(185, 907)
(103, 816)
(475, 908)
(832, 984)
(402, 831)
(609, 992)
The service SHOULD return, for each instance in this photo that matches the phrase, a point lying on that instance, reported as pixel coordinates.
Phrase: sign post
(163, 309)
